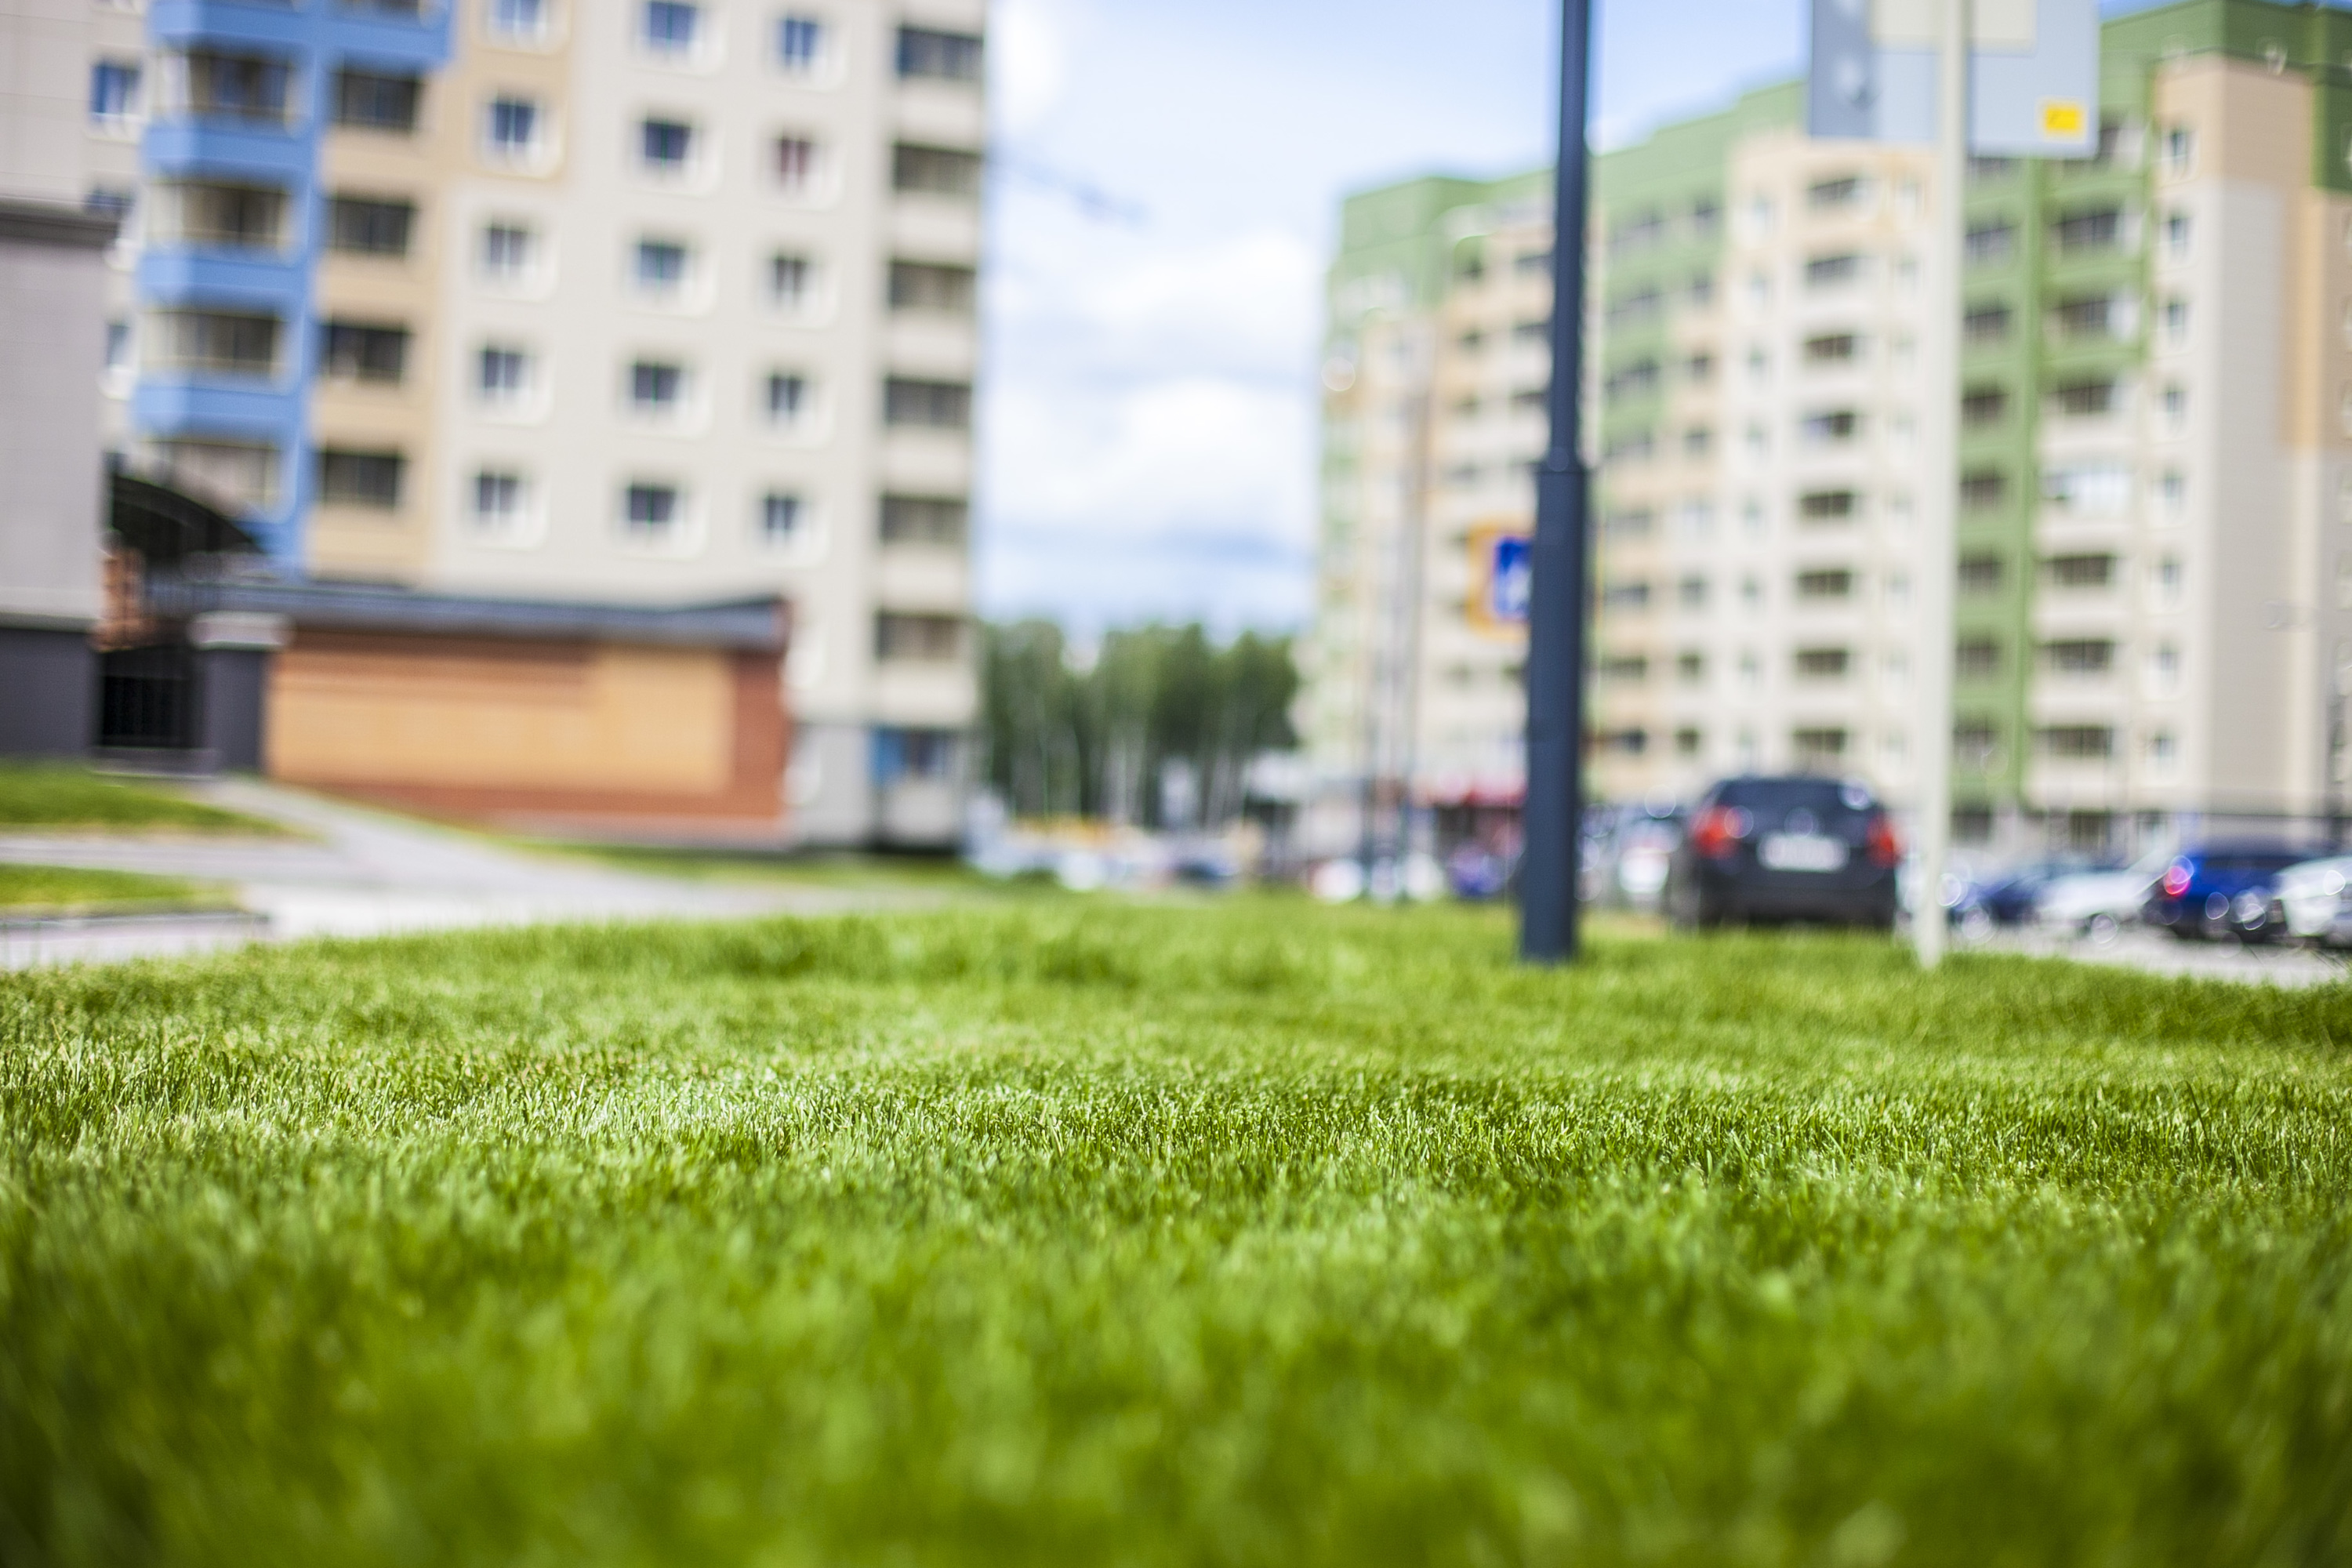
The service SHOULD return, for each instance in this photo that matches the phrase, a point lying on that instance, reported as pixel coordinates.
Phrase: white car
(2318, 898)
(2099, 904)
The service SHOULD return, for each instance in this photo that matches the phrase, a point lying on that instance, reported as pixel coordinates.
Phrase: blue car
(2220, 890)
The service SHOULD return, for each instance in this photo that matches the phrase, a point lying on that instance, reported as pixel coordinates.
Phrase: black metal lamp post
(1552, 815)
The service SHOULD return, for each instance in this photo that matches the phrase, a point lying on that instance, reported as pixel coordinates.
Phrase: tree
(1066, 736)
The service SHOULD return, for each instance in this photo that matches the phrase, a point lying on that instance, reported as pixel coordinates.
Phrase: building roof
(761, 625)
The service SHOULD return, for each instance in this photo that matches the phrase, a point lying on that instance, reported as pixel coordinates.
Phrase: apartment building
(660, 302)
(2154, 633)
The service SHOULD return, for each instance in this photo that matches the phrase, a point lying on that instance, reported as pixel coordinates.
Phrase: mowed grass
(61, 889)
(1093, 1233)
(46, 797)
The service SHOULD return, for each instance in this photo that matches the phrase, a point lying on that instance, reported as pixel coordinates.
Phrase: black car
(1795, 849)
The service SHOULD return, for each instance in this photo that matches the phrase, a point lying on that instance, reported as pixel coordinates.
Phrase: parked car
(2098, 904)
(2221, 891)
(2315, 900)
(1782, 848)
(2009, 897)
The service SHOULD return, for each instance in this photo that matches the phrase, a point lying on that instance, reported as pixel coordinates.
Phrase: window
(513, 128)
(799, 43)
(1823, 663)
(1688, 743)
(118, 346)
(670, 25)
(518, 19)
(499, 504)
(786, 397)
(2176, 320)
(650, 513)
(1628, 596)
(2087, 399)
(507, 250)
(366, 226)
(2075, 743)
(1627, 669)
(1635, 308)
(929, 638)
(1706, 218)
(939, 404)
(2180, 151)
(1983, 405)
(360, 479)
(2089, 489)
(664, 145)
(220, 341)
(1977, 658)
(796, 163)
(900, 754)
(501, 373)
(1832, 271)
(780, 515)
(660, 266)
(934, 171)
(1831, 348)
(2100, 228)
(2079, 570)
(1532, 263)
(244, 218)
(2167, 581)
(1993, 243)
(1631, 743)
(655, 387)
(1695, 518)
(1986, 323)
(113, 91)
(2087, 317)
(1629, 523)
(1980, 574)
(249, 88)
(927, 286)
(1698, 370)
(1818, 750)
(1830, 582)
(1983, 168)
(1690, 668)
(789, 279)
(1832, 425)
(110, 202)
(1983, 489)
(1692, 591)
(923, 520)
(1827, 506)
(2080, 655)
(241, 474)
(1697, 441)
(1975, 743)
(372, 101)
(1639, 232)
(1631, 382)
(1843, 191)
(942, 56)
(358, 350)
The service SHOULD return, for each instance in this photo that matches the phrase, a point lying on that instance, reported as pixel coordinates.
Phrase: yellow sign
(2062, 116)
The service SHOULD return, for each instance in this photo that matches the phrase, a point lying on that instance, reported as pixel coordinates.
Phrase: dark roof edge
(761, 625)
(52, 223)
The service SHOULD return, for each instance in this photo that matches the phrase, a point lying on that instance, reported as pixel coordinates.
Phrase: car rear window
(1825, 798)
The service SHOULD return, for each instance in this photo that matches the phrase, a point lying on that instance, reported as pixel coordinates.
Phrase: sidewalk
(359, 873)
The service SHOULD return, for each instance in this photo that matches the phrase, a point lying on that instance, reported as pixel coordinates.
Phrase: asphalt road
(359, 873)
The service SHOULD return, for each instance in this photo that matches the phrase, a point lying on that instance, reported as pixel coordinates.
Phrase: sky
(1165, 193)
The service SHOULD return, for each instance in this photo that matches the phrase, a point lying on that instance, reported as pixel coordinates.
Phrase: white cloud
(1029, 56)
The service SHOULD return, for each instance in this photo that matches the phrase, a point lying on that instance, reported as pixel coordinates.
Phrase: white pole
(1939, 474)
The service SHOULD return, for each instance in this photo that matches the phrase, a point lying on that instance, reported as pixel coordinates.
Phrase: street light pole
(1940, 476)
(1552, 814)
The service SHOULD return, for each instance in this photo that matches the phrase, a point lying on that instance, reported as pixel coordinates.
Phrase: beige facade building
(663, 302)
(2155, 506)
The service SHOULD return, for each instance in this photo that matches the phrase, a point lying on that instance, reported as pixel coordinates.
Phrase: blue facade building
(249, 92)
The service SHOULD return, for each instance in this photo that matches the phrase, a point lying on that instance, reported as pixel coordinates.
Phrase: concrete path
(2156, 952)
(361, 873)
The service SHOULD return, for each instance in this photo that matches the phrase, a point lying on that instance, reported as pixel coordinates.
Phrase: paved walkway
(359, 873)
(2158, 954)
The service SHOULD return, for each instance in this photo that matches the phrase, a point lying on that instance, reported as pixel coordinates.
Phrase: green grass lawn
(60, 889)
(47, 797)
(1085, 1233)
